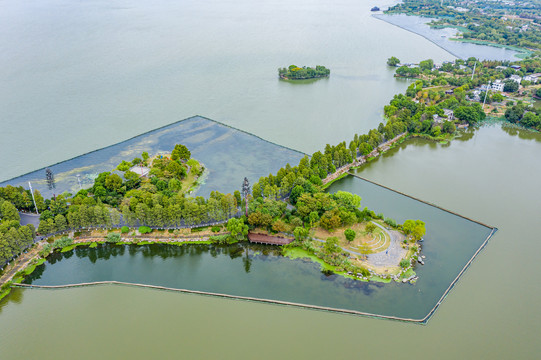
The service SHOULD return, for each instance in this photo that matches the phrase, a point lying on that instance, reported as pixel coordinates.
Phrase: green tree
(530, 119)
(113, 238)
(60, 222)
(40, 202)
(300, 233)
(426, 65)
(404, 263)
(472, 114)
(180, 152)
(237, 228)
(497, 97)
(295, 194)
(510, 86)
(174, 185)
(449, 127)
(370, 228)
(331, 245)
(9, 212)
(176, 170)
(113, 182)
(514, 114)
(350, 235)
(348, 199)
(393, 61)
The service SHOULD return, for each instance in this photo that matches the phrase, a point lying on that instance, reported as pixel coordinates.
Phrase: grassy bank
(300, 253)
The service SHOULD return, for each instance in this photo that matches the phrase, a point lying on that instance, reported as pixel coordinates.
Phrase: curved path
(393, 254)
(394, 236)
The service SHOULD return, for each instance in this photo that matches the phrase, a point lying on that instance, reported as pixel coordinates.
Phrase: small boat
(375, 8)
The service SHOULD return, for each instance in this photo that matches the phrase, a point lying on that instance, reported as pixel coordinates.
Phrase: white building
(515, 78)
(497, 85)
(449, 113)
(532, 78)
(140, 170)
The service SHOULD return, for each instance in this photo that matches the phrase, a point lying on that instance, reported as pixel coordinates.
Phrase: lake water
(441, 37)
(79, 76)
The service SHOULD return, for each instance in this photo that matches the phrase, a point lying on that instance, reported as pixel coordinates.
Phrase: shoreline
(381, 17)
(518, 51)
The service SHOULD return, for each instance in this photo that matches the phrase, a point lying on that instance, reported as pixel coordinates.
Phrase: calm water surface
(80, 76)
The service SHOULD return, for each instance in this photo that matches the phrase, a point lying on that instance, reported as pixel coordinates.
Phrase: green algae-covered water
(229, 155)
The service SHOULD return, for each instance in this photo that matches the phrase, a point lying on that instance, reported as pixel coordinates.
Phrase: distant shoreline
(384, 17)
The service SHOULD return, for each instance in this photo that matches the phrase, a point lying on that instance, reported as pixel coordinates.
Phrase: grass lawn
(363, 243)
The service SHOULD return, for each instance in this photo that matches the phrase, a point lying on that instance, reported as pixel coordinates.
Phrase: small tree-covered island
(294, 72)
(148, 201)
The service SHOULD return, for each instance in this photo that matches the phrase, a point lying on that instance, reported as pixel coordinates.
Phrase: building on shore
(142, 171)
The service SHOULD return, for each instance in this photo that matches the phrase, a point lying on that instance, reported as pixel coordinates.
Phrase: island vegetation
(151, 194)
(294, 72)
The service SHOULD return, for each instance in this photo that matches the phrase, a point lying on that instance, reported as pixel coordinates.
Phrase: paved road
(27, 218)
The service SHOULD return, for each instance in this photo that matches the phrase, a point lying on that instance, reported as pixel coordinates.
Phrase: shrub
(220, 239)
(380, 216)
(350, 234)
(62, 242)
(170, 231)
(390, 222)
(144, 229)
(45, 250)
(370, 228)
(112, 238)
(124, 230)
(215, 228)
(404, 263)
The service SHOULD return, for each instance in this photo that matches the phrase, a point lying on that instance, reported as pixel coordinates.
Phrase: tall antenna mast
(473, 72)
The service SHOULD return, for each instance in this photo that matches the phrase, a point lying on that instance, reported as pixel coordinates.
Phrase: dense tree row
(298, 73)
(14, 238)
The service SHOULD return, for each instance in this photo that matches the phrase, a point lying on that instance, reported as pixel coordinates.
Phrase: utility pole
(486, 93)
(33, 198)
